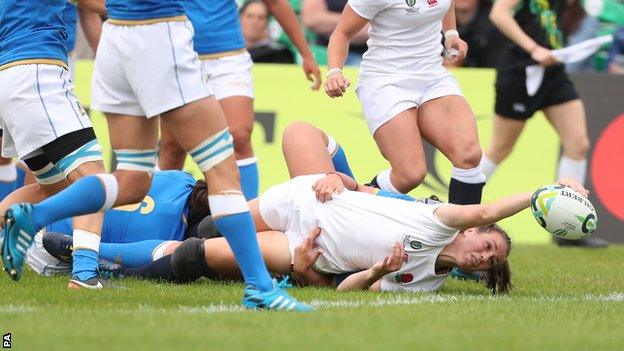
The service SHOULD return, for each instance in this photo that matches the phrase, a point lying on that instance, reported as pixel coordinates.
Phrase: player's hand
(312, 72)
(455, 49)
(307, 252)
(543, 56)
(574, 185)
(336, 85)
(391, 263)
(327, 186)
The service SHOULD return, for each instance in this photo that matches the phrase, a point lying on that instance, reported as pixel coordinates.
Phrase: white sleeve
(368, 8)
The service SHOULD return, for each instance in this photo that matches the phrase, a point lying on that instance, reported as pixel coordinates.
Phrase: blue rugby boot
(19, 234)
(276, 299)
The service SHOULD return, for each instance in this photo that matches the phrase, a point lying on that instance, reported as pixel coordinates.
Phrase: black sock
(159, 270)
(461, 193)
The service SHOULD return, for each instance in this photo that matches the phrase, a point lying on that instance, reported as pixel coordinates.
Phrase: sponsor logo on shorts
(519, 107)
(403, 278)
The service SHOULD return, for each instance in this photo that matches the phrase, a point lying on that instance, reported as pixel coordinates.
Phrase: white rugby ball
(564, 212)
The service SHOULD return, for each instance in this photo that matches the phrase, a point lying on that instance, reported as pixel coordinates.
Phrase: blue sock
(87, 195)
(85, 264)
(240, 233)
(340, 162)
(130, 254)
(249, 177)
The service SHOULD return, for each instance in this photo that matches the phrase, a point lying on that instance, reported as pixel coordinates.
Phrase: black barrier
(603, 96)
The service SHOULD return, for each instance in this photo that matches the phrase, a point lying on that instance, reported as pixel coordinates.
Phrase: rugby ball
(564, 212)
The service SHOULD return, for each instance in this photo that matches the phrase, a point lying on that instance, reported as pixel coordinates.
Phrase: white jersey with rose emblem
(404, 37)
(359, 230)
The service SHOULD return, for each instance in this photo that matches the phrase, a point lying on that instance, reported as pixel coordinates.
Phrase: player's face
(254, 21)
(480, 251)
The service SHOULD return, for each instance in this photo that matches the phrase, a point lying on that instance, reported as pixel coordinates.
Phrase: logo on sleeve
(403, 278)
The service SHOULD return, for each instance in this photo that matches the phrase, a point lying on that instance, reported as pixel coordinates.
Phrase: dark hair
(197, 203)
(572, 17)
(498, 278)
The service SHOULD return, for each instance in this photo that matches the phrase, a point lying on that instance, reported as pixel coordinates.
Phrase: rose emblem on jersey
(403, 278)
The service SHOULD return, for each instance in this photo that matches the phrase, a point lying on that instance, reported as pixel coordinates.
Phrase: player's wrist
(531, 49)
(451, 33)
(332, 72)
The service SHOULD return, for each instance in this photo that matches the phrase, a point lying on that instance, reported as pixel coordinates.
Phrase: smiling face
(479, 251)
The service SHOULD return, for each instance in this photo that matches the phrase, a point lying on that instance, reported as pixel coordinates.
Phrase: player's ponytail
(498, 278)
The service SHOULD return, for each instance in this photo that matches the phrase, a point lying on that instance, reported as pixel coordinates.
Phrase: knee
(242, 138)
(409, 178)
(188, 261)
(469, 156)
(171, 149)
(133, 186)
(577, 148)
(297, 130)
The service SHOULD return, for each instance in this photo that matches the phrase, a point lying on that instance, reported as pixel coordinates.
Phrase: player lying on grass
(357, 231)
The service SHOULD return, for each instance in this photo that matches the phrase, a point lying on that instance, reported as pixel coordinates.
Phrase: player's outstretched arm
(97, 6)
(469, 216)
(287, 19)
(368, 279)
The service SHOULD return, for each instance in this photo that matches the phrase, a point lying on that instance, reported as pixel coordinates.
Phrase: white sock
(111, 188)
(469, 176)
(83, 239)
(488, 167)
(8, 173)
(246, 161)
(383, 180)
(571, 168)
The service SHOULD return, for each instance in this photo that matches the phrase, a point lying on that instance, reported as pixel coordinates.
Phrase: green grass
(563, 299)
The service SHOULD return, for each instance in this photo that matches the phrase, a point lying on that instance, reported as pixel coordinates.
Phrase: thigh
(399, 141)
(448, 123)
(305, 150)
(569, 121)
(132, 132)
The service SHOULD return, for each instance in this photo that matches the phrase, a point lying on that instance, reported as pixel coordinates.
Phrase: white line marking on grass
(15, 309)
(381, 301)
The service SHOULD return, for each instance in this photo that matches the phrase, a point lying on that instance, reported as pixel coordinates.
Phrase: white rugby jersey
(404, 37)
(359, 230)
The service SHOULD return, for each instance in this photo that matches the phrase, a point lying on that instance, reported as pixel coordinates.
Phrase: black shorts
(512, 100)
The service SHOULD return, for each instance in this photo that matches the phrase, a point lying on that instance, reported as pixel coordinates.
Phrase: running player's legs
(400, 143)
(505, 134)
(447, 123)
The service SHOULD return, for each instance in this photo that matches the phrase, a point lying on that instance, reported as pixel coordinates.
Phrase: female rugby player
(406, 93)
(534, 29)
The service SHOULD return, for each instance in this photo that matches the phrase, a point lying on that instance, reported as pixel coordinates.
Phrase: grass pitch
(563, 299)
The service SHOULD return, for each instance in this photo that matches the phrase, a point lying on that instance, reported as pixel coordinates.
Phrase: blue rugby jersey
(70, 17)
(216, 24)
(161, 214)
(31, 30)
(138, 10)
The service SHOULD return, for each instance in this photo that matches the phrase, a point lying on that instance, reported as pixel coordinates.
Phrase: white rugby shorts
(37, 105)
(229, 75)
(280, 208)
(147, 69)
(384, 96)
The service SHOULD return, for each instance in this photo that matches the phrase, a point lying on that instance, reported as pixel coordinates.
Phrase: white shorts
(229, 76)
(145, 70)
(42, 262)
(384, 97)
(280, 208)
(37, 105)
